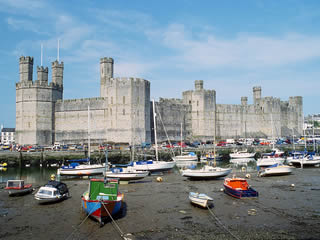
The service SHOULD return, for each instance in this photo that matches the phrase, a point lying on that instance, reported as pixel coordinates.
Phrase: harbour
(287, 208)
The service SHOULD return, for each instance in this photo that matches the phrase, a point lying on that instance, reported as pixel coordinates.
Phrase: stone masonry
(123, 112)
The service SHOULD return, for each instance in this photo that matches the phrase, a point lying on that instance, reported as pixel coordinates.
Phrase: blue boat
(239, 188)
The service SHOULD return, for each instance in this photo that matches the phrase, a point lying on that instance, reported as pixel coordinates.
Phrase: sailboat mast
(272, 132)
(314, 145)
(89, 133)
(155, 128)
(181, 138)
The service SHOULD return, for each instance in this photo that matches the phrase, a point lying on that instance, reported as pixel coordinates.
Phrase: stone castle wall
(123, 112)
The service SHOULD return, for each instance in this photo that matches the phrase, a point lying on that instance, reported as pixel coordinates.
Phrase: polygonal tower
(106, 72)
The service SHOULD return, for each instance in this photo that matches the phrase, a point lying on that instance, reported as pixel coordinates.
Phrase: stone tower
(256, 95)
(106, 72)
(35, 102)
(203, 109)
(25, 68)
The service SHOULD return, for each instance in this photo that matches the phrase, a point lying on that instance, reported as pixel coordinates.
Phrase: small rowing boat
(200, 199)
(18, 188)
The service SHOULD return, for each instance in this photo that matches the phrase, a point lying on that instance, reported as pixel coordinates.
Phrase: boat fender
(159, 179)
(243, 169)
(52, 177)
(248, 175)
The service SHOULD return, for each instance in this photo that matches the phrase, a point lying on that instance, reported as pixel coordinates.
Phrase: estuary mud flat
(161, 210)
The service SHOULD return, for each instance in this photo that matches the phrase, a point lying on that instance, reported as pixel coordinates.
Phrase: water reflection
(243, 164)
(34, 175)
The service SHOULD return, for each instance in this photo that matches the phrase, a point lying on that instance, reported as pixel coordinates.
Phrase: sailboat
(150, 165)
(191, 156)
(77, 169)
(207, 171)
(276, 156)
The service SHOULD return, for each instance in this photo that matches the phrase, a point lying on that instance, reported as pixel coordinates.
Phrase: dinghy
(200, 199)
(18, 188)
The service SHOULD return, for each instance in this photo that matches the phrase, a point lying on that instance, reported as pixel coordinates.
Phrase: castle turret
(106, 72)
(244, 101)
(57, 73)
(42, 75)
(25, 68)
(198, 84)
(256, 95)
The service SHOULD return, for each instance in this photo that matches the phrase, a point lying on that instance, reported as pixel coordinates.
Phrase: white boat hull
(200, 199)
(305, 162)
(206, 173)
(276, 171)
(127, 176)
(185, 158)
(242, 155)
(83, 170)
(155, 166)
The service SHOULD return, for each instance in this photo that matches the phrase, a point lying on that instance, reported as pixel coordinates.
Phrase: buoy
(292, 185)
(53, 177)
(159, 179)
(221, 189)
(243, 169)
(248, 175)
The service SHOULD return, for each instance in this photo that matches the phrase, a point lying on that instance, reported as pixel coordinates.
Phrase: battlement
(171, 101)
(257, 88)
(37, 83)
(198, 85)
(129, 80)
(106, 60)
(57, 64)
(26, 59)
(42, 69)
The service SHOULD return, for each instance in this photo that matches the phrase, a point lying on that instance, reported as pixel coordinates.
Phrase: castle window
(189, 101)
(107, 100)
(198, 113)
(111, 100)
(197, 103)
(124, 100)
(123, 112)
(110, 111)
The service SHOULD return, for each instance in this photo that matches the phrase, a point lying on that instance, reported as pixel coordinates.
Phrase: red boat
(18, 188)
(239, 188)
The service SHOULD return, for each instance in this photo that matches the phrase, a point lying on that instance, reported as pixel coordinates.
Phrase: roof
(8, 129)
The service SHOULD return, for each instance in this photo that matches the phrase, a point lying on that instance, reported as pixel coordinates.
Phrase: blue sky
(231, 45)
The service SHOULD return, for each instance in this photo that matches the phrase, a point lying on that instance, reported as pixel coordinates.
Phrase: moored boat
(76, 169)
(191, 156)
(200, 199)
(103, 199)
(126, 174)
(206, 172)
(239, 188)
(18, 188)
(242, 154)
(53, 191)
(275, 170)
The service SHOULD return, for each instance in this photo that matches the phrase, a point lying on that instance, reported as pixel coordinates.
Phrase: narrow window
(111, 100)
(124, 112)
(110, 111)
(197, 103)
(124, 100)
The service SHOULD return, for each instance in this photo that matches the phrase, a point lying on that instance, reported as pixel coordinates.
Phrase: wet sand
(161, 210)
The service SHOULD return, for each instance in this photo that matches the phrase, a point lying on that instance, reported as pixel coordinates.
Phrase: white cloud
(244, 51)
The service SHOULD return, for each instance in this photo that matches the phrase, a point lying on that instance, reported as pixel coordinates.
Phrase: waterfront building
(7, 136)
(122, 112)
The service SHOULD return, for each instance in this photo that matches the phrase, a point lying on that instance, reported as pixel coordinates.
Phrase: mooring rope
(81, 222)
(217, 219)
(117, 226)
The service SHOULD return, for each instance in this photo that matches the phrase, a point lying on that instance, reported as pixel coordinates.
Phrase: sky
(231, 45)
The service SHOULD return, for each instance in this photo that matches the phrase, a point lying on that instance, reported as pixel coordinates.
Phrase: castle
(123, 112)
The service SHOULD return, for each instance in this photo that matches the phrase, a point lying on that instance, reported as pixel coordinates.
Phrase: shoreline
(161, 210)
